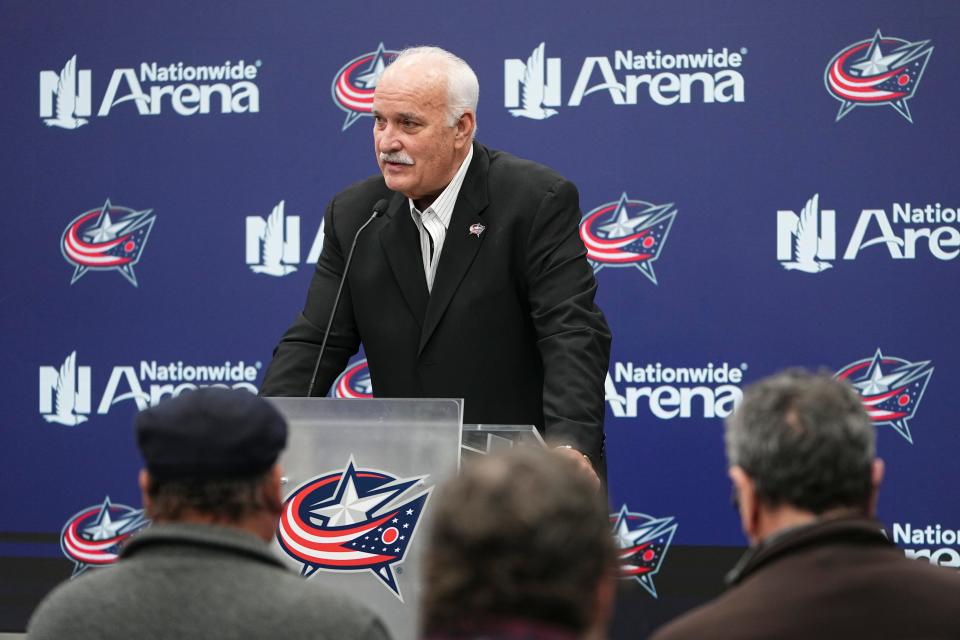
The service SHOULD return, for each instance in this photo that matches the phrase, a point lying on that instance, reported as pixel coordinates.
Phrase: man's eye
(409, 124)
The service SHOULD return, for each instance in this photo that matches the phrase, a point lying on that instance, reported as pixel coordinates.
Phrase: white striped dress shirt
(433, 222)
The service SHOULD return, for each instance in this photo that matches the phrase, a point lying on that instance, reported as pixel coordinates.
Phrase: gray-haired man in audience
(802, 460)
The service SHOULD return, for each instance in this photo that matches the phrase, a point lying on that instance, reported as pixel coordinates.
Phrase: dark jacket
(510, 325)
(837, 578)
(198, 581)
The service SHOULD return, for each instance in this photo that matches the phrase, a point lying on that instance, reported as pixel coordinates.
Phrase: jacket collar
(200, 536)
(821, 532)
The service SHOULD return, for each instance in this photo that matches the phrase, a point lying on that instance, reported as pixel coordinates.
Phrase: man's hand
(582, 462)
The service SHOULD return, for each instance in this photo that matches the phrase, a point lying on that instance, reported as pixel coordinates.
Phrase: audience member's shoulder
(58, 613)
(704, 621)
(923, 575)
(333, 614)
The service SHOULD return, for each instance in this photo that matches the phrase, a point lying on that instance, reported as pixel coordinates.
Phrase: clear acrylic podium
(360, 474)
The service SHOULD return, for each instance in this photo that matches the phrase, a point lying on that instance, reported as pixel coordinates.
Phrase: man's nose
(387, 140)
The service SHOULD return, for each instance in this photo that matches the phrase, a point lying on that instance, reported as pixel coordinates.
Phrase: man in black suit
(801, 449)
(473, 284)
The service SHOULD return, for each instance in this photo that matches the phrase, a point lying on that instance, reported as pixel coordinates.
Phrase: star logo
(642, 542)
(94, 536)
(627, 233)
(891, 388)
(879, 71)
(352, 520)
(354, 85)
(110, 238)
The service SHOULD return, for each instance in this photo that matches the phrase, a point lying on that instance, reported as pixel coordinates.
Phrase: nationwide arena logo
(66, 96)
(642, 544)
(807, 241)
(66, 394)
(354, 382)
(532, 86)
(273, 243)
(935, 543)
(110, 238)
(93, 537)
(891, 387)
(711, 391)
(627, 233)
(354, 84)
(352, 520)
(877, 72)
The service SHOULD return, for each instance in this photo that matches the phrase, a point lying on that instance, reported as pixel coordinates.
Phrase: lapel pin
(476, 229)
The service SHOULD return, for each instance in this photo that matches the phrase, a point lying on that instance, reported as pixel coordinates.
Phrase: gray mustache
(397, 157)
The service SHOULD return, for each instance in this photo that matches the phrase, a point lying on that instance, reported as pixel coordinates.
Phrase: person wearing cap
(204, 568)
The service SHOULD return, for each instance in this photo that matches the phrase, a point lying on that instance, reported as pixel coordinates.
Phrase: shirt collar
(443, 205)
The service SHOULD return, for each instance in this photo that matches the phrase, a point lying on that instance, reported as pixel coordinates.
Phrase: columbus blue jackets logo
(110, 238)
(93, 536)
(627, 233)
(642, 542)
(877, 72)
(354, 382)
(352, 519)
(891, 387)
(354, 84)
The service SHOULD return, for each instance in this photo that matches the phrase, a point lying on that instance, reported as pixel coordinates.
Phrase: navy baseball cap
(210, 433)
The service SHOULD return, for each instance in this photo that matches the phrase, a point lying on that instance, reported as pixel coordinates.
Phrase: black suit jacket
(510, 326)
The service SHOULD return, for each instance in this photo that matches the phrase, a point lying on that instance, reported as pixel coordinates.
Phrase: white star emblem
(875, 63)
(371, 77)
(350, 509)
(106, 230)
(106, 527)
(875, 382)
(622, 225)
(626, 538)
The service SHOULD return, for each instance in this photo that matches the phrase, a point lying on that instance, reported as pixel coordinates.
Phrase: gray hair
(805, 440)
(519, 534)
(463, 88)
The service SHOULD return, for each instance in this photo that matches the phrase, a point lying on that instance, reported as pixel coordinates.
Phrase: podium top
(399, 412)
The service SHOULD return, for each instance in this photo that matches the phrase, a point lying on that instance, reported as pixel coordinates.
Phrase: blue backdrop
(783, 176)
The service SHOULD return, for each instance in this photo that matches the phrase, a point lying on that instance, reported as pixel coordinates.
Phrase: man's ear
(877, 469)
(747, 502)
(144, 481)
(465, 125)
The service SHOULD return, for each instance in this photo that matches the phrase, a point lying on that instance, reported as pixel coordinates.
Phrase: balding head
(438, 65)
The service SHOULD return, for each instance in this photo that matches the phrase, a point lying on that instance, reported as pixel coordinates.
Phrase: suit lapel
(401, 244)
(460, 246)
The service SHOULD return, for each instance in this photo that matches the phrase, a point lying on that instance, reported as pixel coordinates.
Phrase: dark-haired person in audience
(520, 548)
(203, 569)
(802, 460)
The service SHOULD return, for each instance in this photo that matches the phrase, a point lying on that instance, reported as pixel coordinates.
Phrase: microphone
(378, 210)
